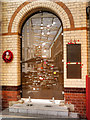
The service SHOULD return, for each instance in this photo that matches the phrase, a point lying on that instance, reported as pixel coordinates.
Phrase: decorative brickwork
(74, 90)
(11, 88)
(10, 94)
(5, 34)
(14, 15)
(76, 96)
(68, 13)
(26, 3)
(78, 28)
(50, 6)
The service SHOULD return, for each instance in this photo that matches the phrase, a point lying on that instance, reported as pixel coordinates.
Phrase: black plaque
(74, 71)
(74, 53)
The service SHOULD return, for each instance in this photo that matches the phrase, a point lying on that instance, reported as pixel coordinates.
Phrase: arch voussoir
(65, 16)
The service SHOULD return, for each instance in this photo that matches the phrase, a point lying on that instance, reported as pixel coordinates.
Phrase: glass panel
(42, 71)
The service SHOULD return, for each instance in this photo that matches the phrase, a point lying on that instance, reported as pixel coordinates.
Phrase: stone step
(55, 110)
(74, 115)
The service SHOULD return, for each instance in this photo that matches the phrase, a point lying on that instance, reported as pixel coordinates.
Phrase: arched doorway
(20, 16)
(42, 55)
(72, 29)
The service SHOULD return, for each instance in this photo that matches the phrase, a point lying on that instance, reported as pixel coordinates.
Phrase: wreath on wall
(7, 56)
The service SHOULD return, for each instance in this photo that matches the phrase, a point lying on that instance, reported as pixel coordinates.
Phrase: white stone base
(40, 109)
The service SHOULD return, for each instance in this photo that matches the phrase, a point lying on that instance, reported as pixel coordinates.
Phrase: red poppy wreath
(7, 56)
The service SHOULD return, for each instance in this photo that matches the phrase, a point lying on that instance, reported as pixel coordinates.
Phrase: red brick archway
(61, 4)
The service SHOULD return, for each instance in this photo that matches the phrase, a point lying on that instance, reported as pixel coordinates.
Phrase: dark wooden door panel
(74, 71)
(74, 53)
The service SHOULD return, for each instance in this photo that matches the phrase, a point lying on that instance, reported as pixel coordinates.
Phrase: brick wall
(73, 17)
(57, 56)
(0, 54)
(10, 94)
(76, 96)
(88, 32)
(82, 37)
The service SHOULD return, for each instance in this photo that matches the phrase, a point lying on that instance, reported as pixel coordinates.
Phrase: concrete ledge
(73, 115)
(55, 110)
